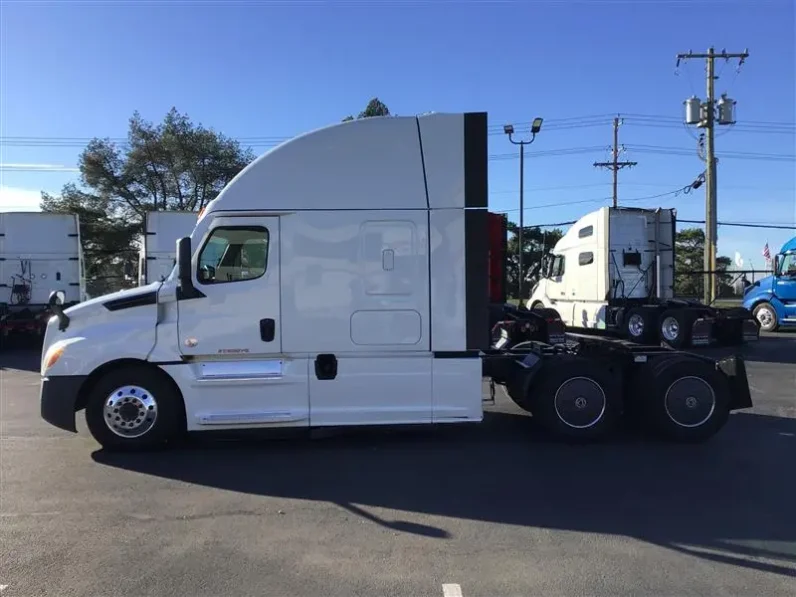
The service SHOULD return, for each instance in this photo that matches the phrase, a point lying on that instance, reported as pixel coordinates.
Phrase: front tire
(766, 317)
(134, 408)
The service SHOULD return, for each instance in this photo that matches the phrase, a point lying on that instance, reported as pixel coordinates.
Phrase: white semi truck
(39, 253)
(613, 271)
(162, 229)
(342, 279)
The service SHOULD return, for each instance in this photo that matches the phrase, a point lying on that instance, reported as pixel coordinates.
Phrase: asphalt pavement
(488, 510)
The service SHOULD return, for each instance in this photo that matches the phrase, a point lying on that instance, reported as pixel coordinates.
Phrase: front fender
(95, 345)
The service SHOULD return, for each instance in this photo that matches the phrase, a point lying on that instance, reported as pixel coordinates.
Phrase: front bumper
(59, 400)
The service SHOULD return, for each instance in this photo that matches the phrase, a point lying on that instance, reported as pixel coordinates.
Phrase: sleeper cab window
(586, 232)
(233, 254)
(585, 258)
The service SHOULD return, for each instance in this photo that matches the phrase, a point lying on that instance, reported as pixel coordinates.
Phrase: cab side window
(233, 254)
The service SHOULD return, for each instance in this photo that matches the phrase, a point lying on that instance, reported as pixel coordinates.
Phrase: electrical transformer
(726, 110)
(693, 110)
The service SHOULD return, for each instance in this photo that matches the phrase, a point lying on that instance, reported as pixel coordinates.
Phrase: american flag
(766, 253)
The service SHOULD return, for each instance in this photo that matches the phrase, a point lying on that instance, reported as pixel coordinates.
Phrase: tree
(689, 258)
(175, 165)
(107, 239)
(537, 243)
(375, 107)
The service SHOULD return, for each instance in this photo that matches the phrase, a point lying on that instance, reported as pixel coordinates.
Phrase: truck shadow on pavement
(729, 500)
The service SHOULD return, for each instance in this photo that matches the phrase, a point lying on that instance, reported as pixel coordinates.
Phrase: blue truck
(772, 300)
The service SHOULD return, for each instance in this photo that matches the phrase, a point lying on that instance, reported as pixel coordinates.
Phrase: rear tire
(134, 408)
(674, 327)
(640, 325)
(684, 399)
(576, 398)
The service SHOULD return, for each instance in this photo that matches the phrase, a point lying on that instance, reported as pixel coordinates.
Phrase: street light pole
(536, 126)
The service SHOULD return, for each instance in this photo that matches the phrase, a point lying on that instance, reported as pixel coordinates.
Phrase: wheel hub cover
(580, 402)
(690, 401)
(130, 411)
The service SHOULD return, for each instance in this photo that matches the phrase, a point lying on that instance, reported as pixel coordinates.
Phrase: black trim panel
(164, 363)
(192, 293)
(476, 160)
(476, 280)
(423, 163)
(59, 396)
(457, 354)
(129, 302)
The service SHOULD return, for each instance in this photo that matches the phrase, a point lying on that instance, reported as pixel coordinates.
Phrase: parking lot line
(451, 590)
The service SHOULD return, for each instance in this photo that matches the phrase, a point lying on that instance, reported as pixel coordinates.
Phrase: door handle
(267, 330)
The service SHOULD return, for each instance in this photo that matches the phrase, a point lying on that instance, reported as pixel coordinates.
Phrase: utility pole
(704, 116)
(615, 165)
(536, 126)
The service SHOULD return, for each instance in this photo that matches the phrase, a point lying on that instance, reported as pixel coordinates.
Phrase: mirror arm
(54, 302)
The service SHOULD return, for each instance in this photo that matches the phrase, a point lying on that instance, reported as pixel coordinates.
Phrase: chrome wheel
(765, 317)
(580, 402)
(635, 325)
(670, 329)
(690, 401)
(130, 411)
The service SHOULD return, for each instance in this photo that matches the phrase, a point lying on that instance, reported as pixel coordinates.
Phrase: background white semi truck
(39, 253)
(162, 229)
(613, 271)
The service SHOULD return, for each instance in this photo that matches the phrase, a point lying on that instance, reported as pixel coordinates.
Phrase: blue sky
(74, 70)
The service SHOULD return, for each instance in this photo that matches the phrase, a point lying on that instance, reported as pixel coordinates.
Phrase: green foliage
(536, 243)
(689, 257)
(375, 107)
(107, 238)
(175, 165)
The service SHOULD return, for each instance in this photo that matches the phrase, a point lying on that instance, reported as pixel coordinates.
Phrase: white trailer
(613, 271)
(162, 229)
(342, 279)
(39, 253)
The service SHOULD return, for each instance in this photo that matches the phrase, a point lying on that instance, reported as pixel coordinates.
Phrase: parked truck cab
(773, 299)
(613, 272)
(342, 278)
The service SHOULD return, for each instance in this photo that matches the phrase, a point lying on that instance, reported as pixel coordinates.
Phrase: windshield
(787, 265)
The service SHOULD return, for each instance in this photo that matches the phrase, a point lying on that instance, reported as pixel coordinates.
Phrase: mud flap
(734, 368)
(702, 331)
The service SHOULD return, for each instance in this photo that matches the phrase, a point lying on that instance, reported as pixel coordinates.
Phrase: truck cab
(772, 300)
(613, 273)
(342, 278)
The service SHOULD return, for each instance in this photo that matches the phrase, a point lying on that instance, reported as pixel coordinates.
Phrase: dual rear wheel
(679, 398)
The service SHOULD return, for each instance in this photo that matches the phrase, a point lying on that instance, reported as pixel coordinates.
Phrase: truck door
(785, 285)
(557, 288)
(233, 332)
